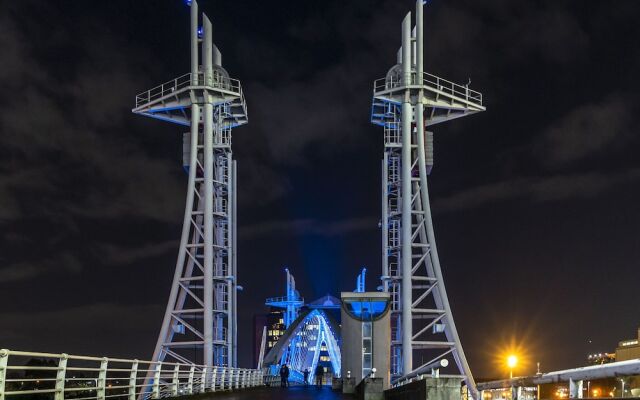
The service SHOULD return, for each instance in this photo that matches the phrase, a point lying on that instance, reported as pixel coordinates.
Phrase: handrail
(187, 80)
(281, 299)
(432, 81)
(64, 376)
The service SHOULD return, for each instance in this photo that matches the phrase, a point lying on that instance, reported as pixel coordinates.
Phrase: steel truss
(199, 325)
(405, 102)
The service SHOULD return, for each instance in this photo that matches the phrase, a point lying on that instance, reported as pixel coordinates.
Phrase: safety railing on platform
(28, 375)
(218, 81)
(283, 299)
(435, 82)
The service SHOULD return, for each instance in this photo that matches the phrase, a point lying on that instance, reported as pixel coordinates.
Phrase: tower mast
(405, 102)
(199, 324)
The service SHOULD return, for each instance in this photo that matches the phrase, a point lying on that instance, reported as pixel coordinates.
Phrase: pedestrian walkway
(277, 393)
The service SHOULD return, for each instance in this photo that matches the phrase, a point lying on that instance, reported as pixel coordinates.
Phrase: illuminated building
(274, 322)
(601, 358)
(628, 349)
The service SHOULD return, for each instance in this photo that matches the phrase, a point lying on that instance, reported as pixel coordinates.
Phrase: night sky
(536, 201)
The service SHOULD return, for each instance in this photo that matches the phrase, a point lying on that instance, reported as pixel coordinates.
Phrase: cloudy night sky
(536, 201)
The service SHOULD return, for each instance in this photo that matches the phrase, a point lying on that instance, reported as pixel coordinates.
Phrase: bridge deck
(277, 393)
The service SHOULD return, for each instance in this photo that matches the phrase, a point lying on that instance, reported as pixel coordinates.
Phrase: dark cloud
(589, 129)
(58, 264)
(538, 189)
(309, 226)
(119, 255)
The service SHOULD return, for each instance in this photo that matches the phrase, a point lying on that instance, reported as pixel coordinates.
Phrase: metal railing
(283, 299)
(28, 375)
(432, 81)
(218, 81)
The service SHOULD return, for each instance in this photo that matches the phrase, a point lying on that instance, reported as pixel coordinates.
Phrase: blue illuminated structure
(311, 334)
(291, 302)
(360, 281)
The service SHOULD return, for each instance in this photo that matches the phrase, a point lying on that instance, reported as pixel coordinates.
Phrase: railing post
(102, 379)
(203, 380)
(222, 385)
(60, 376)
(4, 359)
(237, 378)
(213, 379)
(155, 394)
(133, 380)
(192, 372)
(176, 380)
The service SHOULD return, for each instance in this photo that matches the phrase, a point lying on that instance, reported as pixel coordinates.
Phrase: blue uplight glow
(200, 32)
(188, 2)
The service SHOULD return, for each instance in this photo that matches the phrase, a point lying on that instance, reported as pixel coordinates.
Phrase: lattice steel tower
(200, 320)
(405, 102)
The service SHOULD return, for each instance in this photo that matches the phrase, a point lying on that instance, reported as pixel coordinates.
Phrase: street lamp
(512, 361)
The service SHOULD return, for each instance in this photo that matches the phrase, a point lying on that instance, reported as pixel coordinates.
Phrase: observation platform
(172, 100)
(443, 99)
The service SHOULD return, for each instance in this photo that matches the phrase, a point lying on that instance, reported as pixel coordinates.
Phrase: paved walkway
(277, 393)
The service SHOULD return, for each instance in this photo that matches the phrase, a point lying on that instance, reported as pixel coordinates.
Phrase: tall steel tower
(200, 320)
(405, 102)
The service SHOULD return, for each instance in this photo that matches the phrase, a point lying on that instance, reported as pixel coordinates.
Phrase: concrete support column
(575, 389)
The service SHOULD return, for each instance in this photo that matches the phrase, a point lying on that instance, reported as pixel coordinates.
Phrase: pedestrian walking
(284, 376)
(306, 377)
(319, 372)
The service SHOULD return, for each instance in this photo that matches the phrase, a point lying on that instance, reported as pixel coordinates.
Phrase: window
(367, 353)
(366, 309)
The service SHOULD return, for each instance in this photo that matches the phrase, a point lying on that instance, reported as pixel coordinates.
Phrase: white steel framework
(405, 102)
(200, 319)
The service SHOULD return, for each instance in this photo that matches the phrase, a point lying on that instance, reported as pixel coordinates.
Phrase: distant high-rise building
(274, 321)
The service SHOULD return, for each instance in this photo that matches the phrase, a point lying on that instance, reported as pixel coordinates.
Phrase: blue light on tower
(200, 32)
(188, 2)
